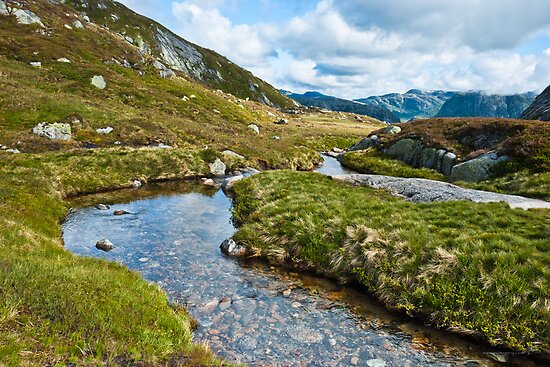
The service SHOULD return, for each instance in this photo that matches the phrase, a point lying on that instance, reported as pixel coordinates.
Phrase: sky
(359, 48)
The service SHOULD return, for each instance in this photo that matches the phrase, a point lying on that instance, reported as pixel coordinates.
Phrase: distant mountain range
(417, 104)
(477, 104)
(315, 99)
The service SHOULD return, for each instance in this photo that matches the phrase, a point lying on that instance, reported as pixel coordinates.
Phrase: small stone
(332, 342)
(105, 131)
(14, 151)
(355, 361)
(99, 82)
(104, 245)
(35, 64)
(231, 248)
(78, 24)
(102, 207)
(67, 26)
(120, 212)
(376, 363)
(281, 122)
(136, 184)
(208, 182)
(276, 137)
(143, 259)
(254, 128)
(287, 292)
(64, 60)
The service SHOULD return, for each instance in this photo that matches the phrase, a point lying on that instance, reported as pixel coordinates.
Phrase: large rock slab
(369, 142)
(55, 131)
(477, 169)
(421, 190)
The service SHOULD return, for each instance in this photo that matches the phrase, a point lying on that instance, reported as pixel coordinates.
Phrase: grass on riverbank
(57, 308)
(478, 268)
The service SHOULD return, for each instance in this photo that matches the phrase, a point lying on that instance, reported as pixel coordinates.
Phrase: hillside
(414, 104)
(315, 99)
(540, 109)
(477, 104)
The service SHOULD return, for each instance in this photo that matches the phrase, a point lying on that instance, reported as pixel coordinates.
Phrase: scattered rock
(55, 131)
(102, 207)
(392, 130)
(27, 17)
(376, 363)
(167, 73)
(233, 154)
(254, 128)
(105, 131)
(104, 245)
(120, 212)
(35, 64)
(14, 151)
(64, 60)
(218, 168)
(136, 184)
(78, 24)
(208, 182)
(275, 137)
(282, 122)
(99, 82)
(67, 26)
(231, 248)
(477, 169)
(332, 342)
(337, 150)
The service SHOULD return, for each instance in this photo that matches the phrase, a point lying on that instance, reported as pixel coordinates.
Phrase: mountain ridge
(479, 104)
(540, 108)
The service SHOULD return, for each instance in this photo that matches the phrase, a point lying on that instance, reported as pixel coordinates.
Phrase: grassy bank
(57, 308)
(477, 268)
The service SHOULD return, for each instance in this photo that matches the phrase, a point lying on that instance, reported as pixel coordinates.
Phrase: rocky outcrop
(421, 190)
(477, 104)
(55, 131)
(23, 16)
(477, 169)
(368, 142)
(540, 109)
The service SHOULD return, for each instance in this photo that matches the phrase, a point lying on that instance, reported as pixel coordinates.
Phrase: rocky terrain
(414, 104)
(478, 104)
(315, 99)
(540, 109)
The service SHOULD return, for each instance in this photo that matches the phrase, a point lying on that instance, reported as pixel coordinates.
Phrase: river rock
(136, 184)
(55, 131)
(102, 207)
(232, 248)
(368, 142)
(477, 169)
(99, 82)
(254, 128)
(218, 168)
(229, 182)
(208, 182)
(104, 245)
(376, 363)
(120, 212)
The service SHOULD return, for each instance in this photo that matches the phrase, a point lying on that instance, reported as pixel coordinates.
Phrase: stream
(249, 311)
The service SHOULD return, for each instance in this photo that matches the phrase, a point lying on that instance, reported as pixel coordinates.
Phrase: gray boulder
(447, 163)
(392, 130)
(254, 128)
(229, 182)
(55, 131)
(368, 142)
(407, 150)
(166, 74)
(64, 60)
(233, 154)
(78, 24)
(99, 82)
(477, 169)
(105, 131)
(104, 245)
(231, 248)
(218, 168)
(428, 158)
(27, 17)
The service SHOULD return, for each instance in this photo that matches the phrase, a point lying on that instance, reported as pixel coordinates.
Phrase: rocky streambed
(249, 311)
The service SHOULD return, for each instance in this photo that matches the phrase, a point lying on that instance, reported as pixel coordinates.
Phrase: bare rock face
(540, 109)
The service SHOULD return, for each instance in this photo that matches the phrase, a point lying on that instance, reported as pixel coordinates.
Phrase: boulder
(55, 131)
(428, 158)
(233, 154)
(102, 207)
(35, 64)
(27, 17)
(104, 245)
(477, 169)
(218, 168)
(368, 142)
(64, 60)
(229, 182)
(407, 150)
(231, 248)
(99, 82)
(447, 163)
(105, 131)
(78, 24)
(254, 128)
(392, 130)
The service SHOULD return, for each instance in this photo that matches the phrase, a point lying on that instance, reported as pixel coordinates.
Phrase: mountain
(414, 104)
(157, 43)
(316, 99)
(478, 104)
(540, 109)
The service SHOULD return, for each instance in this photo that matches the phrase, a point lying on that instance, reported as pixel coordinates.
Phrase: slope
(540, 109)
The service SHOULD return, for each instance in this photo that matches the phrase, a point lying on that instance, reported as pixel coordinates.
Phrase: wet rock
(99, 82)
(231, 248)
(305, 334)
(143, 259)
(136, 184)
(208, 182)
(120, 212)
(104, 245)
(102, 207)
(287, 292)
(376, 363)
(218, 168)
(55, 131)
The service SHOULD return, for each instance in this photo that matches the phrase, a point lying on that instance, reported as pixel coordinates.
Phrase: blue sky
(358, 48)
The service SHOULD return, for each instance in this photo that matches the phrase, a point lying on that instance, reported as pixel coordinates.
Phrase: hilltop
(478, 104)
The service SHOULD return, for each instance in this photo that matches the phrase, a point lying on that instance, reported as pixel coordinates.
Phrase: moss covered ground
(481, 269)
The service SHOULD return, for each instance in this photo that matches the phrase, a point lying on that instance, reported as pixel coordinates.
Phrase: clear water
(245, 309)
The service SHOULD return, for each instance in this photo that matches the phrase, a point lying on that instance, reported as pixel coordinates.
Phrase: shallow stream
(249, 311)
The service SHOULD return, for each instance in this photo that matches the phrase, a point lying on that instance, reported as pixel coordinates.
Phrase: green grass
(478, 268)
(373, 162)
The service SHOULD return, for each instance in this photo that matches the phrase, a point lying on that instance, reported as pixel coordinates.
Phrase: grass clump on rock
(476, 268)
